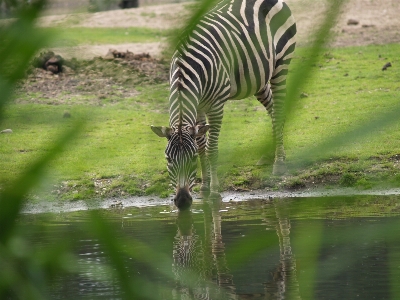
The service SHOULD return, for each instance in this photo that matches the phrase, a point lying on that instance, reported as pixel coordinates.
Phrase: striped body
(238, 49)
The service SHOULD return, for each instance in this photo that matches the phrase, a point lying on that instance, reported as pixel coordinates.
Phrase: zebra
(238, 49)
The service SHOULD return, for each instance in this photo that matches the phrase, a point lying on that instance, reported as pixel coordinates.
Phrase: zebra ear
(161, 131)
(201, 129)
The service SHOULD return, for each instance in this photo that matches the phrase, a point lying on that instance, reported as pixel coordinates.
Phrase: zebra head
(181, 155)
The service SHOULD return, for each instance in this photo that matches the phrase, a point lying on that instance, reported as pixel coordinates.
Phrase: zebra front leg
(205, 165)
(215, 121)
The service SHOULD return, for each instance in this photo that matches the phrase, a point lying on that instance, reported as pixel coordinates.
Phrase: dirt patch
(156, 16)
(94, 82)
(377, 21)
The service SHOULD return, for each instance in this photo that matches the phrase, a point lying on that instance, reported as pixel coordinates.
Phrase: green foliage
(348, 179)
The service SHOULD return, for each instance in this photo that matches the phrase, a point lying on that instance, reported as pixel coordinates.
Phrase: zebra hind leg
(274, 108)
(278, 88)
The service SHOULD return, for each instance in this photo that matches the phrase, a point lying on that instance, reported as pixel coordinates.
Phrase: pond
(292, 248)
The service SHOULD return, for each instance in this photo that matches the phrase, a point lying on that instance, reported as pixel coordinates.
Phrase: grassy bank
(118, 155)
(76, 36)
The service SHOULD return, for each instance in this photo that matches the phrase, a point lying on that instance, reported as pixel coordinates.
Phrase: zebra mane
(180, 131)
(179, 74)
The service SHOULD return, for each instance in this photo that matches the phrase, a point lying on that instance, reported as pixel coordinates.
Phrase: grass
(103, 151)
(96, 36)
(348, 87)
(119, 155)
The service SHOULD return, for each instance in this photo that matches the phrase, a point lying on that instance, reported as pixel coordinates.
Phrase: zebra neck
(183, 110)
(184, 95)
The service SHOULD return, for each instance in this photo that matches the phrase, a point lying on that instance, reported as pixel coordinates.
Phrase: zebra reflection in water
(199, 262)
(200, 266)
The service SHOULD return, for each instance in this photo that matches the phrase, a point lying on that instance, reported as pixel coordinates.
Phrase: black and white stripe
(238, 49)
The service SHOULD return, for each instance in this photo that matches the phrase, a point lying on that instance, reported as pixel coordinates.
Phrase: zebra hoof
(262, 162)
(279, 168)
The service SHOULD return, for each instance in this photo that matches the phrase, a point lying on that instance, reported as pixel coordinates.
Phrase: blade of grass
(19, 42)
(307, 244)
(199, 11)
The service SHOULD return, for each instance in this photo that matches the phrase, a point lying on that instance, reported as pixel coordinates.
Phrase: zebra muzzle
(183, 199)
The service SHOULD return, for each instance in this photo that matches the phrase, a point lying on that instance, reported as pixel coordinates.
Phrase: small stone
(53, 69)
(367, 25)
(110, 54)
(66, 114)
(384, 68)
(6, 131)
(303, 95)
(352, 22)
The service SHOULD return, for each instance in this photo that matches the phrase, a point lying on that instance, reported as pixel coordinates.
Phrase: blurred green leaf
(321, 38)
(19, 42)
(13, 196)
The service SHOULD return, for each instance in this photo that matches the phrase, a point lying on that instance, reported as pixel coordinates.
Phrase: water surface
(294, 248)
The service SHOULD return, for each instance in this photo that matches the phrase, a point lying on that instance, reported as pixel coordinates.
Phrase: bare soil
(91, 82)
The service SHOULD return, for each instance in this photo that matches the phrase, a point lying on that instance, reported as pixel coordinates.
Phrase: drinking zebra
(238, 49)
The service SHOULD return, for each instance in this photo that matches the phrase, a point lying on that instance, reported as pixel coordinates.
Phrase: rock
(53, 69)
(49, 62)
(384, 68)
(129, 56)
(303, 95)
(110, 54)
(352, 22)
(66, 114)
(54, 64)
(6, 131)
(40, 61)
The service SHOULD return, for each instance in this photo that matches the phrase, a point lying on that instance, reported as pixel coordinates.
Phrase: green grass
(117, 154)
(96, 36)
(348, 87)
(116, 145)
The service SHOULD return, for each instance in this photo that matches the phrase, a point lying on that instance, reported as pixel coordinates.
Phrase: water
(300, 248)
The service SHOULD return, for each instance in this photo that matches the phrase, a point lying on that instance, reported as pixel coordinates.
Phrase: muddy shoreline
(146, 201)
